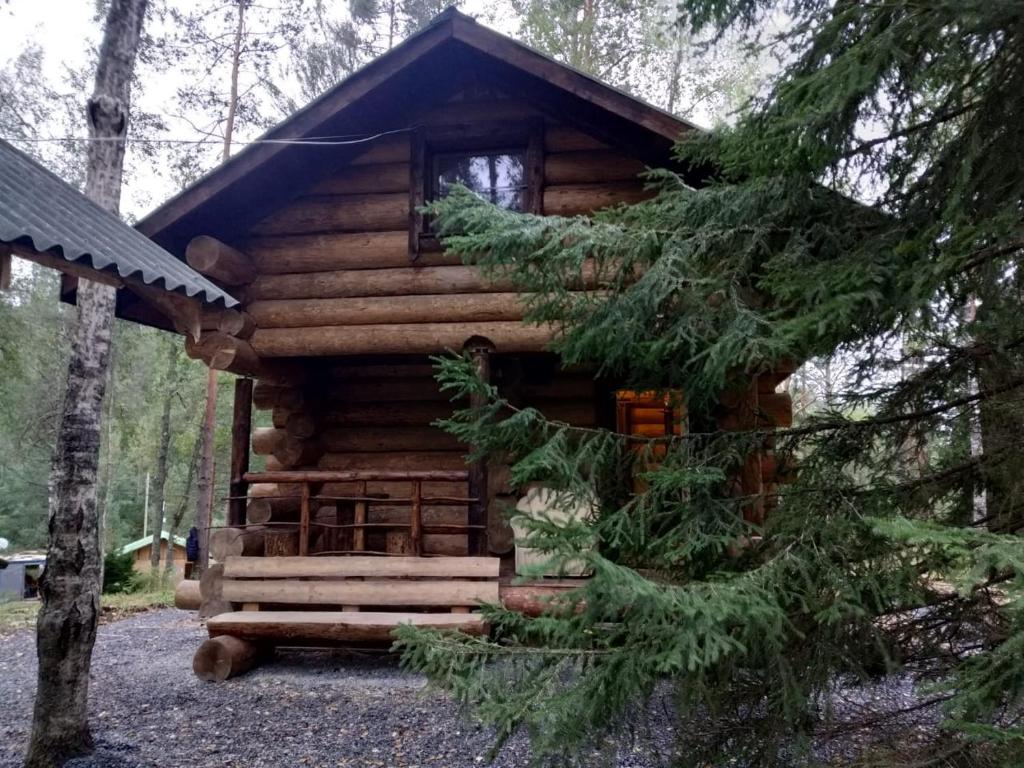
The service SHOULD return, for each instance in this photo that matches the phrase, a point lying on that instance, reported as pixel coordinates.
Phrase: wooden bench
(322, 600)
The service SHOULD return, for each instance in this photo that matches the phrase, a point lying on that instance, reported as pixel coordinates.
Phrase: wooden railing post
(241, 435)
(359, 518)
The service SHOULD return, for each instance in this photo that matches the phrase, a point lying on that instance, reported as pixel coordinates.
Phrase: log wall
(333, 267)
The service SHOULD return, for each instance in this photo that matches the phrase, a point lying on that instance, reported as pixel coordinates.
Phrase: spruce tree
(867, 206)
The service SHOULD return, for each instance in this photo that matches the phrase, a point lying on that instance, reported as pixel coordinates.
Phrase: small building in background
(141, 549)
(19, 575)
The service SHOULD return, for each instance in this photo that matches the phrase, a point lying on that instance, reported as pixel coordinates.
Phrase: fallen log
(224, 656)
(187, 596)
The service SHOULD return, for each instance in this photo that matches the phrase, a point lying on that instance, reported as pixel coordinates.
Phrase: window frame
(427, 143)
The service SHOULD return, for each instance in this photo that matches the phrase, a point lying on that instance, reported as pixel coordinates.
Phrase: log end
(222, 657)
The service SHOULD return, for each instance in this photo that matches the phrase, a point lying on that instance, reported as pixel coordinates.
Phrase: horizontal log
(266, 440)
(365, 179)
(581, 199)
(388, 439)
(187, 596)
(224, 353)
(280, 542)
(219, 658)
(295, 452)
(338, 250)
(470, 307)
(535, 600)
(284, 627)
(219, 261)
(565, 138)
(265, 396)
(423, 338)
(404, 281)
(355, 566)
(236, 323)
(370, 592)
(301, 425)
(332, 213)
(232, 542)
(588, 167)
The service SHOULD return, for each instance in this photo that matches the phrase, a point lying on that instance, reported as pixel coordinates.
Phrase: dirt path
(305, 709)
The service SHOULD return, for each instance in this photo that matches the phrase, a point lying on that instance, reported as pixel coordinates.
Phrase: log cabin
(344, 294)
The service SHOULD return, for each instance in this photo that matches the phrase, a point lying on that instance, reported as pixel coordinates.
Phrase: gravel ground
(304, 709)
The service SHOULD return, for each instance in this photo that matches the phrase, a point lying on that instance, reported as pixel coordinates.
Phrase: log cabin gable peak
(382, 100)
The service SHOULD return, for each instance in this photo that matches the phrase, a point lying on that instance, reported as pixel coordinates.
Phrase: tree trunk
(204, 502)
(179, 515)
(1000, 418)
(160, 481)
(70, 588)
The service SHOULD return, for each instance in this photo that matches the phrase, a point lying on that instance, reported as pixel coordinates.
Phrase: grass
(21, 614)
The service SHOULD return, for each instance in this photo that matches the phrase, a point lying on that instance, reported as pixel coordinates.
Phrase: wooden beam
(241, 432)
(319, 627)
(355, 566)
(445, 592)
(219, 261)
(225, 353)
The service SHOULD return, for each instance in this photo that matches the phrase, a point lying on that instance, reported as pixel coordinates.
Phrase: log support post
(480, 349)
(241, 432)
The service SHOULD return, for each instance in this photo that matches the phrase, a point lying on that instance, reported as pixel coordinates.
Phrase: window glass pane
(497, 176)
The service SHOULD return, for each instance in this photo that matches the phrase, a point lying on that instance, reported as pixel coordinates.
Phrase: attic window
(497, 176)
(502, 163)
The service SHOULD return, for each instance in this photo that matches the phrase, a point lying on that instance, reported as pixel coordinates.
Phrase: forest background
(288, 52)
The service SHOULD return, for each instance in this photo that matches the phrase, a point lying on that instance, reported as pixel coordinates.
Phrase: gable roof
(43, 213)
(147, 540)
(287, 151)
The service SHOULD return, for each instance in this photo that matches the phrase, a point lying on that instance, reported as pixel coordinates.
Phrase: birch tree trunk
(160, 481)
(70, 586)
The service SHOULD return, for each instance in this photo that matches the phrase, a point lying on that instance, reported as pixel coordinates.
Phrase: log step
(280, 627)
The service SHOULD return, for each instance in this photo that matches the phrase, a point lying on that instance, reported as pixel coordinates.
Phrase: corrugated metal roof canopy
(39, 210)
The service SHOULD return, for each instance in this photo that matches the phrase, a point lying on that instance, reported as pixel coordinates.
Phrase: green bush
(119, 573)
